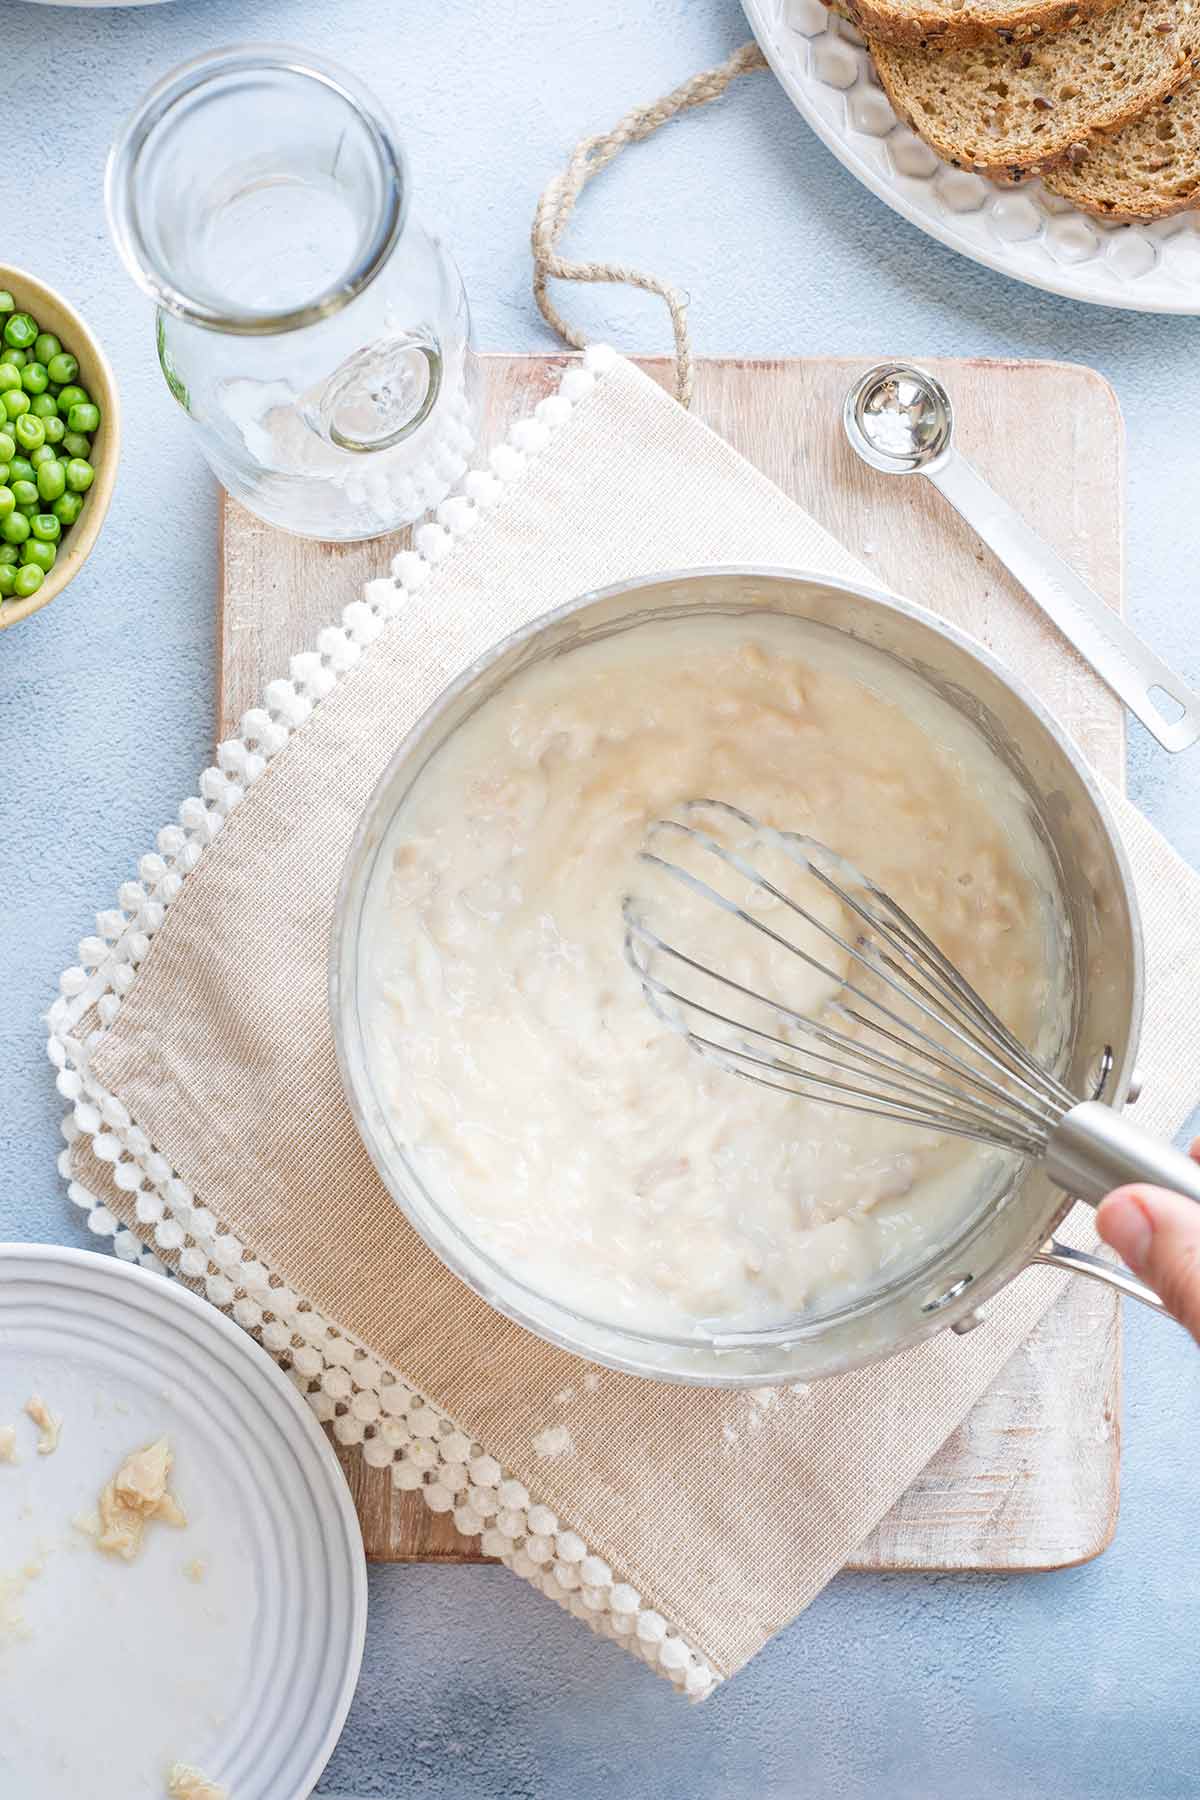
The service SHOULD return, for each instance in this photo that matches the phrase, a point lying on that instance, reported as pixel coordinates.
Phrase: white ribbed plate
(1024, 232)
(128, 1668)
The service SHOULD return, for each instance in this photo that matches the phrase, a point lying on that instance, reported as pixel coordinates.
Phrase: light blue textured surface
(1074, 1686)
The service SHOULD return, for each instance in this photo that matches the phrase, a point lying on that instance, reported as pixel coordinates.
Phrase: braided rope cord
(558, 201)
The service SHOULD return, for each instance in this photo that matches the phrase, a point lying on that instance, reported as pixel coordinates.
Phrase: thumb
(1157, 1233)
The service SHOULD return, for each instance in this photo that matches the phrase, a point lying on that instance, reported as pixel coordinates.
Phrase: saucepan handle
(1082, 1262)
(1091, 1152)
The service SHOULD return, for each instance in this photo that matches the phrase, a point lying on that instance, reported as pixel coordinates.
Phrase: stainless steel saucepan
(1016, 1230)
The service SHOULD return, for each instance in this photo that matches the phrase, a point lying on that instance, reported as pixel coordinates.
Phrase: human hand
(1157, 1234)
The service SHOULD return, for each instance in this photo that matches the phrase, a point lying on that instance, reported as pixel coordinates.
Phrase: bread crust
(1072, 186)
(1123, 215)
(1120, 215)
(1053, 148)
(927, 27)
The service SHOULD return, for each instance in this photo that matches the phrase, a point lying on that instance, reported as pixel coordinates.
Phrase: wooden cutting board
(1031, 1479)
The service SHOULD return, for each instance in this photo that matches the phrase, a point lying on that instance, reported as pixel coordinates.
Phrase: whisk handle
(1094, 1149)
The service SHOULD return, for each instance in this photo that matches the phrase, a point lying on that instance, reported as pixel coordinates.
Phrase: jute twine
(589, 156)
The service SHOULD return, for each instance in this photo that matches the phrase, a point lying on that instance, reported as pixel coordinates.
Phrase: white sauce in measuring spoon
(574, 1135)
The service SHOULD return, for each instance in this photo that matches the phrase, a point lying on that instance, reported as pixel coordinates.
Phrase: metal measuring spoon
(899, 420)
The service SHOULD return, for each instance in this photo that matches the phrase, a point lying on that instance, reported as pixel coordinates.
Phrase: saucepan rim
(503, 1290)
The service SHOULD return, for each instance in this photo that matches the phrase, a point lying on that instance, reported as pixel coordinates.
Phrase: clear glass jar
(314, 333)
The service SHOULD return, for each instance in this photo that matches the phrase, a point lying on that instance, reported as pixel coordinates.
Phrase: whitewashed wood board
(1031, 1479)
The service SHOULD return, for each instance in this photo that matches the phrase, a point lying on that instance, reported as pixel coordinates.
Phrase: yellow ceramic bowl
(53, 314)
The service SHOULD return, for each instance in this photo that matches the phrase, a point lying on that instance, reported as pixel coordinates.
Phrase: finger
(1158, 1234)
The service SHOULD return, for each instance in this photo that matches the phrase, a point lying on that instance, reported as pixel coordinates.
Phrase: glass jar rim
(188, 79)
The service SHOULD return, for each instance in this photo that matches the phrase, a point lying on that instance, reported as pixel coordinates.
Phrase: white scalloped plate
(1024, 232)
(117, 1670)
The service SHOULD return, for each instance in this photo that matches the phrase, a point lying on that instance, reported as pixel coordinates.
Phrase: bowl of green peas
(59, 433)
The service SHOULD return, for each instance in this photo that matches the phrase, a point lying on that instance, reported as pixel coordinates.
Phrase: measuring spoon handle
(1129, 667)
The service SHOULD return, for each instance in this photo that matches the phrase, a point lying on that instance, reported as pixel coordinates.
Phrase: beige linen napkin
(208, 1117)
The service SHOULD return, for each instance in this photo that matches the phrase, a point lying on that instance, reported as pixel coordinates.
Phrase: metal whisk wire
(959, 1069)
(904, 1035)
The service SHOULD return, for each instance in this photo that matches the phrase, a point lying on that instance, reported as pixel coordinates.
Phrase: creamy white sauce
(575, 1136)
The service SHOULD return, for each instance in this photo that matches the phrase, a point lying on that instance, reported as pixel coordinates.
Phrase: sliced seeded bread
(1144, 171)
(951, 24)
(1012, 111)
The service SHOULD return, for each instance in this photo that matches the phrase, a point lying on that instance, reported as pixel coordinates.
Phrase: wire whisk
(891, 1027)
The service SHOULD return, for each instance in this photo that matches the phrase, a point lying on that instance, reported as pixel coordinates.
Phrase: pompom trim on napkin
(364, 1402)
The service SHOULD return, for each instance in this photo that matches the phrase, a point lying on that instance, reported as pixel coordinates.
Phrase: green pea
(16, 402)
(9, 554)
(62, 367)
(29, 432)
(8, 447)
(7, 501)
(40, 554)
(23, 492)
(4, 474)
(10, 376)
(54, 428)
(75, 444)
(51, 481)
(68, 509)
(20, 330)
(14, 529)
(46, 528)
(80, 475)
(7, 303)
(70, 396)
(21, 469)
(18, 358)
(34, 378)
(83, 418)
(43, 454)
(46, 346)
(27, 581)
(8, 579)
(43, 406)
